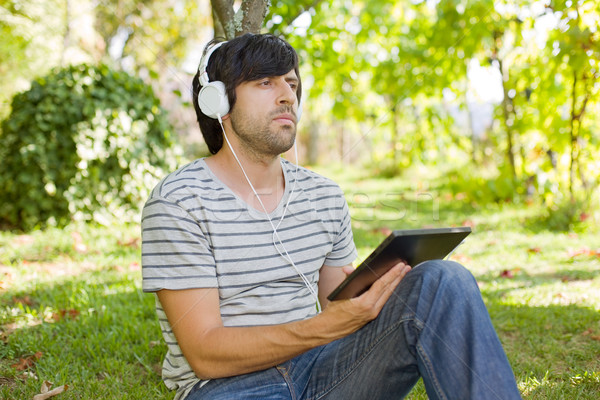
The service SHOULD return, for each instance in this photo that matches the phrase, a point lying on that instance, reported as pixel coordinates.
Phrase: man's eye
(265, 82)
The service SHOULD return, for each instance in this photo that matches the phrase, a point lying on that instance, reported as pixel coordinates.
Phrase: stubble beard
(259, 138)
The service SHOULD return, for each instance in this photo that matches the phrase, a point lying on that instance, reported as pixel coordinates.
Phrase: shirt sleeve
(176, 253)
(344, 250)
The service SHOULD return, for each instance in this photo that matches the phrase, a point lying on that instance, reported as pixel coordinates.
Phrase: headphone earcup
(213, 100)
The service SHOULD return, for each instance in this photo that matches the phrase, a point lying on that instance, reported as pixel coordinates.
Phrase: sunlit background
(504, 91)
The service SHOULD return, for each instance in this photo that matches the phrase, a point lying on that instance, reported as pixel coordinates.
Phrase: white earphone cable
(275, 233)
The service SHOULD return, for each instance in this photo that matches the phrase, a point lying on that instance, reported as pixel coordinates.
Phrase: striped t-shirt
(197, 233)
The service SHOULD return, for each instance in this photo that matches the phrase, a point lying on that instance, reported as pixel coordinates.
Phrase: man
(238, 246)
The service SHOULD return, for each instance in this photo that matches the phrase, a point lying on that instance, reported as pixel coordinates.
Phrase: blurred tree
(151, 37)
(30, 44)
(576, 43)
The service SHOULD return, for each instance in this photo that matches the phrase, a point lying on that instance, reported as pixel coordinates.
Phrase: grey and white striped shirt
(197, 233)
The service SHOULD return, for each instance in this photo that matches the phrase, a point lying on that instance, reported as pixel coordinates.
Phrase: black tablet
(412, 246)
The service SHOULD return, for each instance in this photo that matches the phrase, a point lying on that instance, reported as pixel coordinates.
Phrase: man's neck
(265, 174)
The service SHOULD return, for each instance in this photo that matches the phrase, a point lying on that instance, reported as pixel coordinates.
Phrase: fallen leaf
(595, 337)
(23, 300)
(383, 230)
(51, 393)
(46, 386)
(583, 251)
(468, 223)
(460, 196)
(587, 332)
(134, 266)
(460, 258)
(130, 243)
(507, 273)
(27, 375)
(117, 268)
(27, 362)
(78, 244)
(71, 314)
(534, 250)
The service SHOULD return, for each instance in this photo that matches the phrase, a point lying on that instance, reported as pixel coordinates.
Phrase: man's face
(264, 114)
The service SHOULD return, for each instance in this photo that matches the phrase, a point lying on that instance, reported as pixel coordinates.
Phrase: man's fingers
(348, 269)
(388, 290)
(385, 285)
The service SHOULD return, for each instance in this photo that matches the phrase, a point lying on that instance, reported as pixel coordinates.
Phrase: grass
(72, 310)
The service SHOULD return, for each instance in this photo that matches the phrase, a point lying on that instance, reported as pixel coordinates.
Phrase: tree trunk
(474, 140)
(67, 35)
(217, 26)
(394, 136)
(312, 143)
(341, 141)
(248, 18)
(506, 112)
(574, 127)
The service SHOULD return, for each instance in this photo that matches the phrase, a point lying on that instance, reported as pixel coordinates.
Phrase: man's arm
(329, 279)
(215, 351)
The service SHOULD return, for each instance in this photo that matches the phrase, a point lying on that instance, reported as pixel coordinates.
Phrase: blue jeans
(434, 326)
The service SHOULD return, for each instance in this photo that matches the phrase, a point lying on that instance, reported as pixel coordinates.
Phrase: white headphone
(212, 98)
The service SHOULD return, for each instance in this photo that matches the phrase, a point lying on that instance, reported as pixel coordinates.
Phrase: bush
(85, 143)
(483, 187)
(566, 214)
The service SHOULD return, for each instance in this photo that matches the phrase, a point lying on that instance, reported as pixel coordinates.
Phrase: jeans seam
(429, 365)
(366, 353)
(286, 377)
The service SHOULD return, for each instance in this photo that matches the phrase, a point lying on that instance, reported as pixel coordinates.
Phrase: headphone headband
(203, 76)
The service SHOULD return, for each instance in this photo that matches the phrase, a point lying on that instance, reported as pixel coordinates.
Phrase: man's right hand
(347, 316)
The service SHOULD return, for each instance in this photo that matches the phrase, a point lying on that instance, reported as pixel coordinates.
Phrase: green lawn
(72, 311)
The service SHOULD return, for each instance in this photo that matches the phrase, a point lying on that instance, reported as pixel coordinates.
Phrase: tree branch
(223, 10)
(251, 16)
(217, 25)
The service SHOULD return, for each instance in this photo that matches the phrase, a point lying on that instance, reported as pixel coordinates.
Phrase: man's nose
(287, 94)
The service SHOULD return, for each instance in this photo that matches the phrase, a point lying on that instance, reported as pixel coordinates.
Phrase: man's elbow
(202, 368)
(206, 368)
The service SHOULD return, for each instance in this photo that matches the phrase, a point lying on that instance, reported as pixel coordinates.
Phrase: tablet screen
(412, 246)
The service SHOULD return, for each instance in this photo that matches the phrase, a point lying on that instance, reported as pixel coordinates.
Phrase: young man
(238, 246)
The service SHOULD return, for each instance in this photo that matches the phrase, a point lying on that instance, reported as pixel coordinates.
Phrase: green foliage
(84, 142)
(474, 186)
(401, 70)
(567, 215)
(158, 32)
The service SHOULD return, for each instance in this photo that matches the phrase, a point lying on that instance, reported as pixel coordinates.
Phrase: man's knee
(445, 272)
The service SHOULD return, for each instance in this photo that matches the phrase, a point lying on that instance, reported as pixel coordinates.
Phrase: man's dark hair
(246, 58)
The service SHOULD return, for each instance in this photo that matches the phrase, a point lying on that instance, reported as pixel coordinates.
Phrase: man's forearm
(229, 351)
(215, 351)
